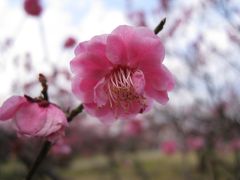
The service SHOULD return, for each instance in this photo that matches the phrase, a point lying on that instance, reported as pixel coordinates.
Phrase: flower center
(121, 91)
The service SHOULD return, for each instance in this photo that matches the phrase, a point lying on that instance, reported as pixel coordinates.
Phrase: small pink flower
(32, 7)
(118, 74)
(169, 147)
(34, 119)
(69, 43)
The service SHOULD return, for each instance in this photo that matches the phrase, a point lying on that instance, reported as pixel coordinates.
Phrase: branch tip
(160, 26)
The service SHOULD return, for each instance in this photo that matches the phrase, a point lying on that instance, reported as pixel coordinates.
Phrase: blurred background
(195, 136)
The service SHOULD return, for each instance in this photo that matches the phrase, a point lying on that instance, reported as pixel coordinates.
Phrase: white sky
(81, 19)
(84, 19)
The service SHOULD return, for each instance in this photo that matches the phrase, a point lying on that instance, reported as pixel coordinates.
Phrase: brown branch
(42, 154)
(75, 112)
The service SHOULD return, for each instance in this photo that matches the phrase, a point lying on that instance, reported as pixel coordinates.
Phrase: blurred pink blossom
(195, 143)
(134, 128)
(119, 74)
(138, 18)
(28, 66)
(61, 148)
(235, 144)
(32, 7)
(169, 147)
(164, 4)
(34, 119)
(174, 27)
(69, 42)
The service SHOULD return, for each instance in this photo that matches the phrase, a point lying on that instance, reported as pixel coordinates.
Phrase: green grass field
(143, 166)
(153, 165)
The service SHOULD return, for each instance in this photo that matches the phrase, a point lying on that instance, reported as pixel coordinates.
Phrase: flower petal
(159, 78)
(100, 96)
(145, 52)
(10, 107)
(127, 33)
(160, 96)
(55, 120)
(144, 48)
(104, 113)
(84, 88)
(115, 50)
(95, 45)
(138, 81)
(30, 119)
(90, 65)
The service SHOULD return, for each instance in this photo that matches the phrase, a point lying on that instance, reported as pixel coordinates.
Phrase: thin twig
(75, 112)
(42, 154)
(43, 80)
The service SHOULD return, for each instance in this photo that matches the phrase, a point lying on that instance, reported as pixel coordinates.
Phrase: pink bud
(70, 42)
(32, 119)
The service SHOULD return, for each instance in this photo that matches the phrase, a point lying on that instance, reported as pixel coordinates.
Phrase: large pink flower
(118, 74)
(34, 119)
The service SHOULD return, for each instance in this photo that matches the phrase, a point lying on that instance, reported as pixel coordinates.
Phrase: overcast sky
(61, 18)
(84, 19)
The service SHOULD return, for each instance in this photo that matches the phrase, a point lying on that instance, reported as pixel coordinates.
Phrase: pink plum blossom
(34, 119)
(32, 7)
(118, 75)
